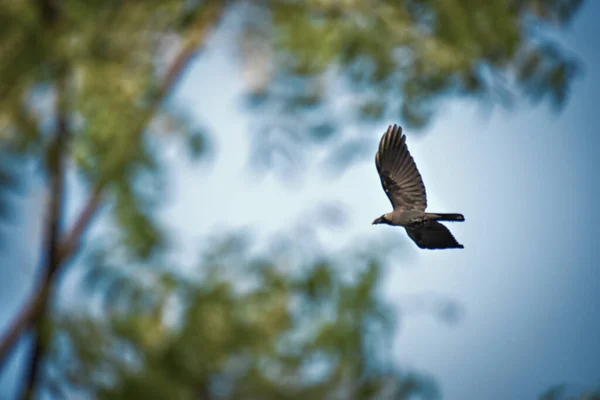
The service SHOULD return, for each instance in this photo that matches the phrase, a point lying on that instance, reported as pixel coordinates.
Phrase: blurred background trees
(85, 89)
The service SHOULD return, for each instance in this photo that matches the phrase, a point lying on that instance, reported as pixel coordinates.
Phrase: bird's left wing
(399, 175)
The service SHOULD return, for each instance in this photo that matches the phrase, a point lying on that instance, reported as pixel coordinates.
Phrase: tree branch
(56, 168)
(57, 151)
(70, 243)
(20, 324)
(31, 312)
(181, 61)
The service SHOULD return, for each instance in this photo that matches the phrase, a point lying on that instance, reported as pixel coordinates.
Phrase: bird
(404, 187)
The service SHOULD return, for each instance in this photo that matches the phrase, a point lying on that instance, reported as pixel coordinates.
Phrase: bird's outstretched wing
(399, 175)
(433, 235)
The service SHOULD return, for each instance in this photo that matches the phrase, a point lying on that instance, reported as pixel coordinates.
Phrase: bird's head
(381, 220)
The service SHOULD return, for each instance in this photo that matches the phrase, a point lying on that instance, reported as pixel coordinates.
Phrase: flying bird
(404, 187)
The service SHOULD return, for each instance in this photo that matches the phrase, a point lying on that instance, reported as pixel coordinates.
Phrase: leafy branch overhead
(330, 65)
(420, 50)
(256, 324)
(125, 60)
(313, 68)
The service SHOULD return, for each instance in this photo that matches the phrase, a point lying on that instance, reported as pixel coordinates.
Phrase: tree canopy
(86, 88)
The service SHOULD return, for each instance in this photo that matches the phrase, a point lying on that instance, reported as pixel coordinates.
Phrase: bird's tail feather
(450, 217)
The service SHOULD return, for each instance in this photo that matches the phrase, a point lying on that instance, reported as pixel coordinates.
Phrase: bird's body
(404, 187)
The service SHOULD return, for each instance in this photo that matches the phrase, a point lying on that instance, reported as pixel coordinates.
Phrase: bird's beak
(377, 221)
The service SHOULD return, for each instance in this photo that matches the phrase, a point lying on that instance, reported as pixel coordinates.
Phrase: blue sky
(526, 181)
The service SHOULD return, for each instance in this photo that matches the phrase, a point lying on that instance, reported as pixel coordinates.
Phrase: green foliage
(111, 50)
(252, 325)
(398, 60)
